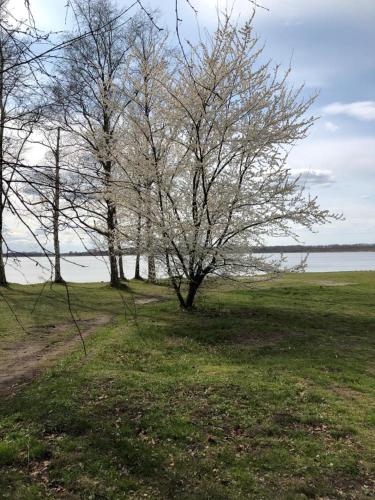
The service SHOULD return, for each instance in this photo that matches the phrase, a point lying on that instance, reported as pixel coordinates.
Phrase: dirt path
(22, 361)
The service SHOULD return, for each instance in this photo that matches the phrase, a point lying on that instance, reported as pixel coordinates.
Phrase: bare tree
(48, 187)
(24, 53)
(20, 110)
(144, 145)
(56, 208)
(91, 93)
(24, 50)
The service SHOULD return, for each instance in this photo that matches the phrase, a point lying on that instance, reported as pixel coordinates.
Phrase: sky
(330, 46)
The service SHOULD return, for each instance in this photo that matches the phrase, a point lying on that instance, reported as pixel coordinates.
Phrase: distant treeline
(359, 247)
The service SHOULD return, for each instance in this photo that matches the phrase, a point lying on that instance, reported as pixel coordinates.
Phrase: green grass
(261, 393)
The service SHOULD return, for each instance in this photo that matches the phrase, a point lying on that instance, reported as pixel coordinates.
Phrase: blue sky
(330, 44)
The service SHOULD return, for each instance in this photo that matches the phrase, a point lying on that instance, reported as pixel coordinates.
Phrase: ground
(39, 340)
(262, 392)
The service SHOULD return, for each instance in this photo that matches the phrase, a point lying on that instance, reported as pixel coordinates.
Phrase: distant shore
(368, 247)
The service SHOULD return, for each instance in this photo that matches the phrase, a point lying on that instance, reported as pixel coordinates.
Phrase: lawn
(262, 392)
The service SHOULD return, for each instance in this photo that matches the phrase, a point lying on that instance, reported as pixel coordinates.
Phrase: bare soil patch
(147, 300)
(24, 360)
(348, 393)
(334, 283)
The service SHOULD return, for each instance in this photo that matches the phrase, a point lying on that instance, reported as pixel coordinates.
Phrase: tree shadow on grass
(212, 326)
(282, 335)
(89, 447)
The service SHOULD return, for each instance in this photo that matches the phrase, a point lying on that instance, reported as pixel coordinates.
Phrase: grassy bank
(265, 392)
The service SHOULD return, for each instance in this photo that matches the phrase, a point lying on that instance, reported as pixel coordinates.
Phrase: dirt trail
(22, 361)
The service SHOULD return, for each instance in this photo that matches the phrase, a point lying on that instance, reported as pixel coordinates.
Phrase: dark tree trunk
(111, 212)
(151, 268)
(114, 277)
(137, 273)
(179, 296)
(176, 283)
(3, 279)
(112, 251)
(120, 258)
(192, 291)
(56, 212)
(194, 284)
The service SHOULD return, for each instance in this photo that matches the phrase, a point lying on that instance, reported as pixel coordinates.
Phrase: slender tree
(91, 93)
(144, 135)
(20, 91)
(137, 270)
(48, 188)
(56, 210)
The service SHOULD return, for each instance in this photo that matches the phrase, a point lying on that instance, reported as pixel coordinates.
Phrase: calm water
(92, 269)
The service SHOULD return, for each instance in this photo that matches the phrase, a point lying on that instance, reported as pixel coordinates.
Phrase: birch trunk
(137, 273)
(56, 212)
(3, 280)
(121, 264)
(151, 268)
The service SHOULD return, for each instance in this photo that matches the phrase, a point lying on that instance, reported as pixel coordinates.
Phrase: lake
(93, 269)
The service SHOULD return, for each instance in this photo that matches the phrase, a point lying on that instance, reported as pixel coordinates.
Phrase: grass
(261, 393)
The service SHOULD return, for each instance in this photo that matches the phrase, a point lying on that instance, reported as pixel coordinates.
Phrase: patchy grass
(265, 392)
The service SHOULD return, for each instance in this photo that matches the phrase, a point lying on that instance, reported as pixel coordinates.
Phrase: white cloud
(315, 177)
(330, 127)
(362, 110)
(341, 155)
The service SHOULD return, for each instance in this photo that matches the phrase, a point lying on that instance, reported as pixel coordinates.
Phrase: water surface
(94, 269)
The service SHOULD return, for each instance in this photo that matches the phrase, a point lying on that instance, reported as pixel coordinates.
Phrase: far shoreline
(359, 247)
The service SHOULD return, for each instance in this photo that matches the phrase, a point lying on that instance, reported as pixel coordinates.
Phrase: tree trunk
(137, 273)
(179, 295)
(121, 264)
(56, 212)
(151, 271)
(189, 302)
(112, 251)
(3, 280)
(114, 277)
(194, 285)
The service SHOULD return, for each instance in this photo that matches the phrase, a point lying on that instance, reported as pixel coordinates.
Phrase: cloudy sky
(330, 44)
